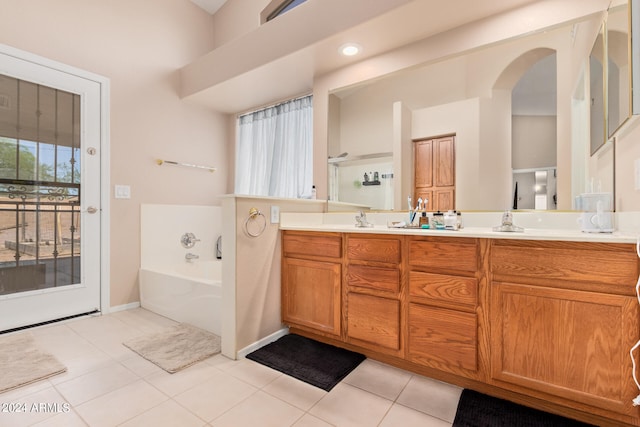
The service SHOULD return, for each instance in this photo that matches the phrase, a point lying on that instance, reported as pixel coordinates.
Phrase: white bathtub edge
(261, 343)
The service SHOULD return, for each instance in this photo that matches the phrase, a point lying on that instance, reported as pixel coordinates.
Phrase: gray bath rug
(177, 347)
(23, 362)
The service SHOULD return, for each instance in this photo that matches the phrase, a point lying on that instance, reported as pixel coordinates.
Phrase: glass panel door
(39, 187)
(50, 218)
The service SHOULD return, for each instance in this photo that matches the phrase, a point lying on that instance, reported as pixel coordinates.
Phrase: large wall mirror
(618, 68)
(519, 111)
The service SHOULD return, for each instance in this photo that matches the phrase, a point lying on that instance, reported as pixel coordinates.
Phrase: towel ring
(254, 215)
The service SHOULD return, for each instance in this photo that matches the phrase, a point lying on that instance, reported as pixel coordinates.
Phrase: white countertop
(562, 228)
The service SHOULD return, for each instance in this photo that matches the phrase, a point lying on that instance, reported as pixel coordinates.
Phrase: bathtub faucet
(190, 257)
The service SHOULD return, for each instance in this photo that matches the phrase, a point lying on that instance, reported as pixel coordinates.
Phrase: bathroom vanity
(546, 321)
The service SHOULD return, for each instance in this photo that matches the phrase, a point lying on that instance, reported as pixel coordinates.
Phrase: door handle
(92, 209)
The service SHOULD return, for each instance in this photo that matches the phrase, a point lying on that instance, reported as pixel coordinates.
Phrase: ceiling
(291, 73)
(210, 6)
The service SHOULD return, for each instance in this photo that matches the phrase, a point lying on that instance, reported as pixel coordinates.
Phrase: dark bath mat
(479, 410)
(313, 362)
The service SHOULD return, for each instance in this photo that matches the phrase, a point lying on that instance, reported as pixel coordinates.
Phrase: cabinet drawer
(384, 279)
(444, 288)
(374, 320)
(456, 254)
(312, 244)
(445, 339)
(373, 249)
(612, 265)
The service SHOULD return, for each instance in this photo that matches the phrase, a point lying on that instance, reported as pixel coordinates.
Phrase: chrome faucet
(507, 223)
(191, 257)
(361, 220)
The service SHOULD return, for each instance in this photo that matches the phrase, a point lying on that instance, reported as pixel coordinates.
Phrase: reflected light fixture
(350, 49)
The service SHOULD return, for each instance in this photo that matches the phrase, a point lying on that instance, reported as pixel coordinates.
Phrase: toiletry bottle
(423, 219)
(313, 192)
(450, 220)
(438, 221)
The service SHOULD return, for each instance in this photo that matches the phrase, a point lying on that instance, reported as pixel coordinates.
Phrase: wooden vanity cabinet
(443, 304)
(373, 292)
(311, 281)
(548, 324)
(564, 316)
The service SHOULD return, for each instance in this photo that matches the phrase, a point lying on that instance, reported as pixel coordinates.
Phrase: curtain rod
(275, 104)
(160, 162)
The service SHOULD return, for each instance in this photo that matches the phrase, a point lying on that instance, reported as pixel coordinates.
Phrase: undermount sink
(508, 228)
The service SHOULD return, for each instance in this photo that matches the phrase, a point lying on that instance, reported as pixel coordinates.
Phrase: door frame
(105, 291)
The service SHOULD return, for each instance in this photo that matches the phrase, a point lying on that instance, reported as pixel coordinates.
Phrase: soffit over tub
(280, 58)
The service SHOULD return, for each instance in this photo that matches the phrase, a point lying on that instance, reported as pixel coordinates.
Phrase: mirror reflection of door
(534, 136)
(434, 173)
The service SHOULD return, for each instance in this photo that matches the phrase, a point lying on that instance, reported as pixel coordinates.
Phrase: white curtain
(274, 151)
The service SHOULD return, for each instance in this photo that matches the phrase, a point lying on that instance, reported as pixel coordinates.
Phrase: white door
(50, 213)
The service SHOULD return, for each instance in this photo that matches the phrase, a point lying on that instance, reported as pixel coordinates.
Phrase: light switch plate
(275, 214)
(122, 192)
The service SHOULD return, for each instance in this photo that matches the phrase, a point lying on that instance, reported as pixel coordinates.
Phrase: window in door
(39, 187)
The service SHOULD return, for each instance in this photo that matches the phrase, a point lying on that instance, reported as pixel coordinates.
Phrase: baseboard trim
(262, 342)
(124, 307)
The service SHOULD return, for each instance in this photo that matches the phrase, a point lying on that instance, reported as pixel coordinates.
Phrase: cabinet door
(423, 159)
(311, 294)
(568, 343)
(444, 164)
(444, 199)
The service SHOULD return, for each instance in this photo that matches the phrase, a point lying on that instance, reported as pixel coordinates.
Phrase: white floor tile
(293, 391)
(120, 405)
(167, 414)
(347, 406)
(96, 383)
(144, 320)
(178, 382)
(378, 378)
(253, 373)
(260, 409)
(431, 397)
(106, 384)
(141, 366)
(400, 415)
(66, 419)
(308, 420)
(215, 396)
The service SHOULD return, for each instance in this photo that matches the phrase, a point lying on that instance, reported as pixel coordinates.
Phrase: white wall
(534, 142)
(462, 119)
(162, 226)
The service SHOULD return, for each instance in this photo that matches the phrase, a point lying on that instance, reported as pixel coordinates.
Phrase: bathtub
(188, 292)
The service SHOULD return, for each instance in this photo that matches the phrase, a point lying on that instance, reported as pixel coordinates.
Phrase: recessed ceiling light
(350, 49)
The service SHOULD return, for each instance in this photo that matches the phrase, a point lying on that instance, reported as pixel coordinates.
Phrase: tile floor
(106, 384)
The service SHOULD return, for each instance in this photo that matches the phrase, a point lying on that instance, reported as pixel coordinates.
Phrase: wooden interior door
(434, 172)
